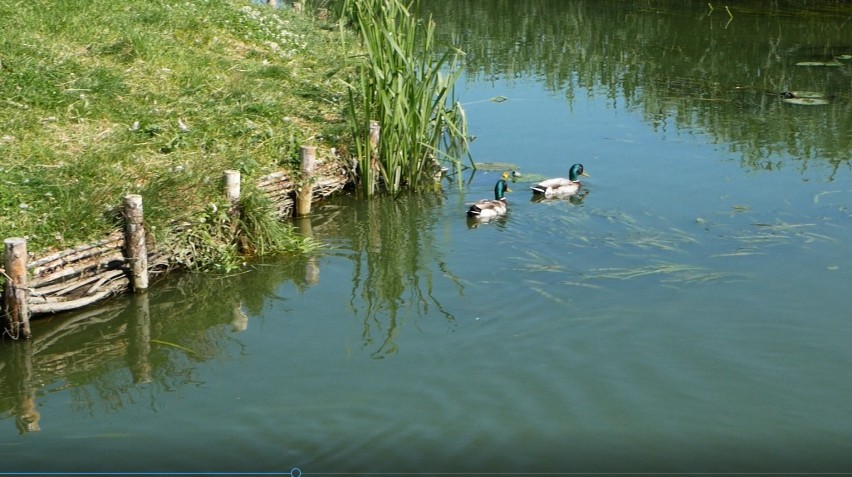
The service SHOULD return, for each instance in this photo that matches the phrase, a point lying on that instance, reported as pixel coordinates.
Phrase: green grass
(99, 99)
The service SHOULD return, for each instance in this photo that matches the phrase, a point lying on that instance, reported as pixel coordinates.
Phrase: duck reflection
(575, 199)
(475, 222)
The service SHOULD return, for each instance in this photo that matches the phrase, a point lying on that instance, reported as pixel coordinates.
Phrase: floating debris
(806, 101)
(802, 94)
(819, 63)
(495, 166)
(804, 97)
(672, 272)
(738, 253)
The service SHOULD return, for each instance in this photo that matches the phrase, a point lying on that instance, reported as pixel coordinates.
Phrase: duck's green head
(500, 189)
(576, 171)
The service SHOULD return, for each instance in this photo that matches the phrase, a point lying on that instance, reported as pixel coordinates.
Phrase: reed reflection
(397, 259)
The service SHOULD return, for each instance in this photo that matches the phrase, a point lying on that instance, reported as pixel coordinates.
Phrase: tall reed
(408, 88)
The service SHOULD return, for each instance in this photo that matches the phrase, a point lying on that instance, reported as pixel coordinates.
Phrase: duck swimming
(559, 186)
(487, 208)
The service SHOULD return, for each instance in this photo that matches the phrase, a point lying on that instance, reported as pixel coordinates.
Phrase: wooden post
(16, 295)
(136, 248)
(232, 186)
(305, 193)
(375, 134)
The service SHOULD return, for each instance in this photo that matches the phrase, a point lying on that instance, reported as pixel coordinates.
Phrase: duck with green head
(487, 208)
(561, 187)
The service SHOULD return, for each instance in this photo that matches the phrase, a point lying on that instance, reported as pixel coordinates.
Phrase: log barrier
(124, 261)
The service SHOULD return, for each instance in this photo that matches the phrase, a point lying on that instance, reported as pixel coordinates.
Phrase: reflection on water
(394, 250)
(681, 65)
(22, 386)
(161, 336)
(87, 351)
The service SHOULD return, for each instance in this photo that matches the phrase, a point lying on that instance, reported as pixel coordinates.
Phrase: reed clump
(405, 84)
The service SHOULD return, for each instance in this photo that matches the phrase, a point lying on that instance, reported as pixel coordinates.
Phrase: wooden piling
(16, 295)
(136, 248)
(232, 194)
(305, 192)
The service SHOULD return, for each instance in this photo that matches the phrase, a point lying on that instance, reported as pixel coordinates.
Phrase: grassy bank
(99, 99)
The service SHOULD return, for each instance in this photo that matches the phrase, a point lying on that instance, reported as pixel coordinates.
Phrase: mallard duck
(561, 186)
(487, 208)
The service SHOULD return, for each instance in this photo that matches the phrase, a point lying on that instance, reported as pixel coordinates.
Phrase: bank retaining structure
(124, 261)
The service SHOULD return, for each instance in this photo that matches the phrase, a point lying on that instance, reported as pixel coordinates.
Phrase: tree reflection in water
(683, 66)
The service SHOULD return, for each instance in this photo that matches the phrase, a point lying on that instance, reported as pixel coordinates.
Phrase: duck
(487, 208)
(560, 186)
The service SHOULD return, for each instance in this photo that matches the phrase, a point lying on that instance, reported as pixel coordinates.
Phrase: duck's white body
(559, 186)
(487, 208)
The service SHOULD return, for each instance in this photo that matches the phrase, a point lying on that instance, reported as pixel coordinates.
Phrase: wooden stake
(232, 186)
(375, 134)
(136, 248)
(305, 193)
(16, 294)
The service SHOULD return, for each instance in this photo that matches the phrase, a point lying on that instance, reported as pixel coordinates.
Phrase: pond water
(688, 313)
